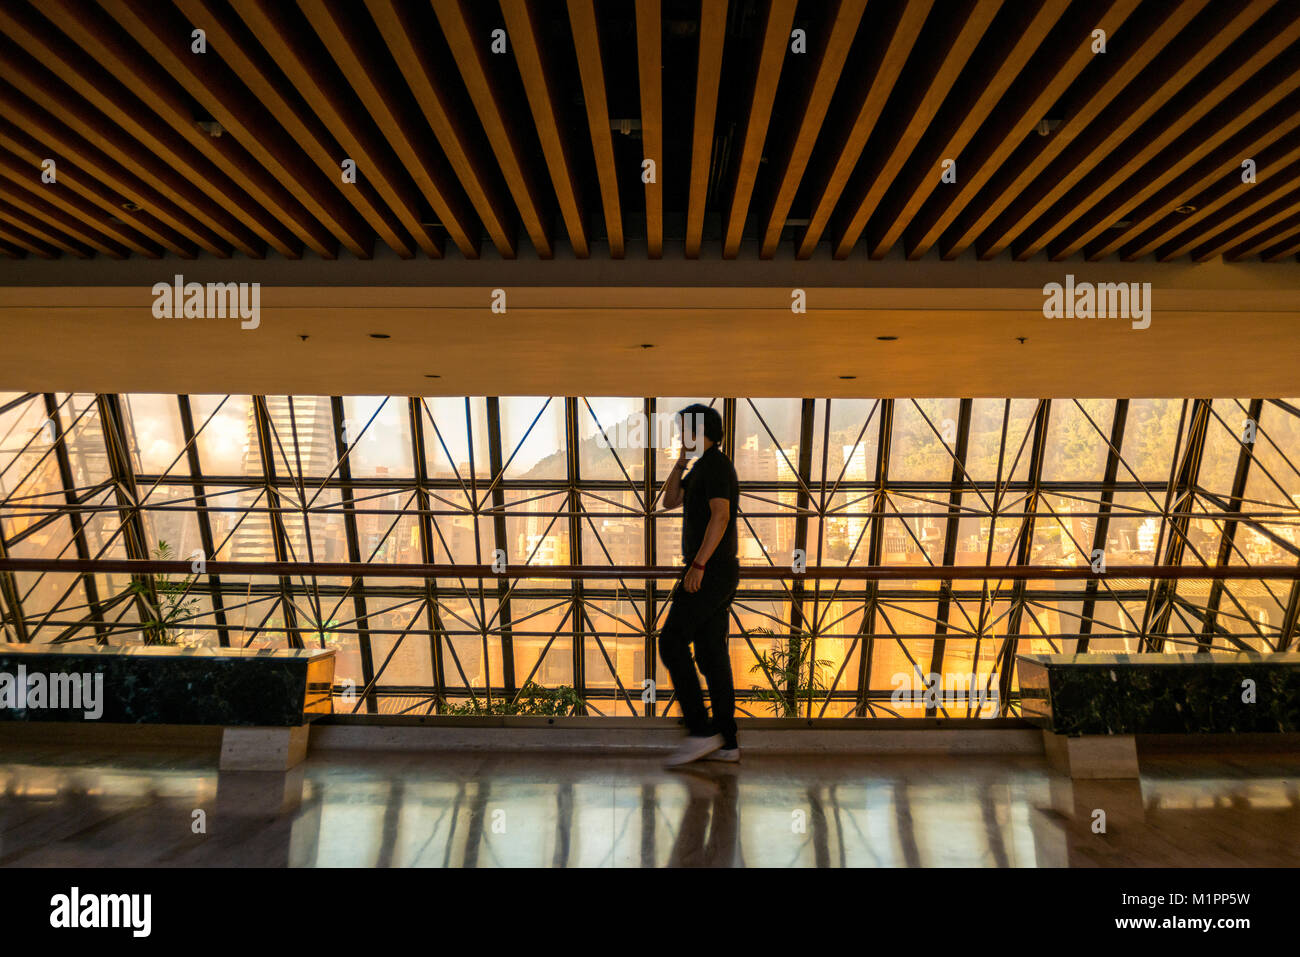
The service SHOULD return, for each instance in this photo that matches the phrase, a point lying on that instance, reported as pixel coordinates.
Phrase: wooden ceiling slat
(69, 146)
(1101, 114)
(1290, 246)
(21, 153)
(102, 90)
(1147, 214)
(111, 90)
(423, 77)
(305, 128)
(586, 43)
(921, 108)
(902, 38)
(1232, 202)
(1115, 170)
(67, 200)
(649, 59)
(315, 82)
(833, 52)
(470, 52)
(776, 36)
(924, 179)
(708, 78)
(19, 239)
(31, 205)
(1255, 234)
(17, 218)
(431, 175)
(521, 25)
(277, 172)
(1018, 113)
(1250, 102)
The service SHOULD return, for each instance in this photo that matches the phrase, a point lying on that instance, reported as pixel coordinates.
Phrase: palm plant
(792, 672)
(169, 599)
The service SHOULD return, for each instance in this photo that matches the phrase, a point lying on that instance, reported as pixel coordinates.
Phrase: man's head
(701, 427)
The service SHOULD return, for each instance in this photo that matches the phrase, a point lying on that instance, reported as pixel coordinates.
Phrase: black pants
(702, 618)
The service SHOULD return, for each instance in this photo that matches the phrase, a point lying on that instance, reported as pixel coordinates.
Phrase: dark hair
(711, 418)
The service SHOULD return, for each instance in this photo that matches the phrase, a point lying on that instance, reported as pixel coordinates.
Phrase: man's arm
(673, 486)
(719, 515)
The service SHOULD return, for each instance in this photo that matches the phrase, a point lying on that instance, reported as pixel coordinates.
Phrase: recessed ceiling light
(887, 338)
(1184, 209)
(131, 207)
(1121, 224)
(380, 335)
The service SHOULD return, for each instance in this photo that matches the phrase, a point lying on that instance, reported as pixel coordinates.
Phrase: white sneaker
(730, 755)
(694, 748)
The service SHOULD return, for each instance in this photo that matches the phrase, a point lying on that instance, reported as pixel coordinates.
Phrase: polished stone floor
(63, 807)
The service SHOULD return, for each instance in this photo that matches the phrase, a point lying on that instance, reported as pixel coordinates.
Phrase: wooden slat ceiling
(759, 150)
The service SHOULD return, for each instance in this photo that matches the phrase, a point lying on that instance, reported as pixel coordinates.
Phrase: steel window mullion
(74, 518)
(496, 460)
(357, 586)
(1245, 458)
(951, 529)
(1102, 531)
(868, 627)
(427, 552)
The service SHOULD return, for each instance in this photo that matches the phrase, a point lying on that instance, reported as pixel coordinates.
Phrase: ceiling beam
(33, 205)
(470, 53)
(586, 43)
(1050, 74)
(256, 69)
(25, 177)
(649, 58)
(779, 19)
(1096, 111)
(473, 168)
(417, 153)
(21, 240)
(1235, 202)
(235, 217)
(903, 33)
(1255, 234)
(319, 85)
(708, 80)
(1007, 60)
(75, 150)
(920, 107)
(844, 22)
(1199, 113)
(531, 58)
(275, 171)
(1250, 99)
(18, 219)
(20, 161)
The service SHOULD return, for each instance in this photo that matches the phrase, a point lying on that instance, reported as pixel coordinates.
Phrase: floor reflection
(86, 808)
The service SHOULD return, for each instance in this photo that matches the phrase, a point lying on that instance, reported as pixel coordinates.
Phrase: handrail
(752, 572)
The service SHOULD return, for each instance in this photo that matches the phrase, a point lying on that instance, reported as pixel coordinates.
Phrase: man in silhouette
(701, 606)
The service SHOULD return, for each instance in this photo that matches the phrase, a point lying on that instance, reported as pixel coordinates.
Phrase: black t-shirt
(712, 476)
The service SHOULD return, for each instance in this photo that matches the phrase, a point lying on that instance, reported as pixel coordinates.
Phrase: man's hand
(694, 577)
